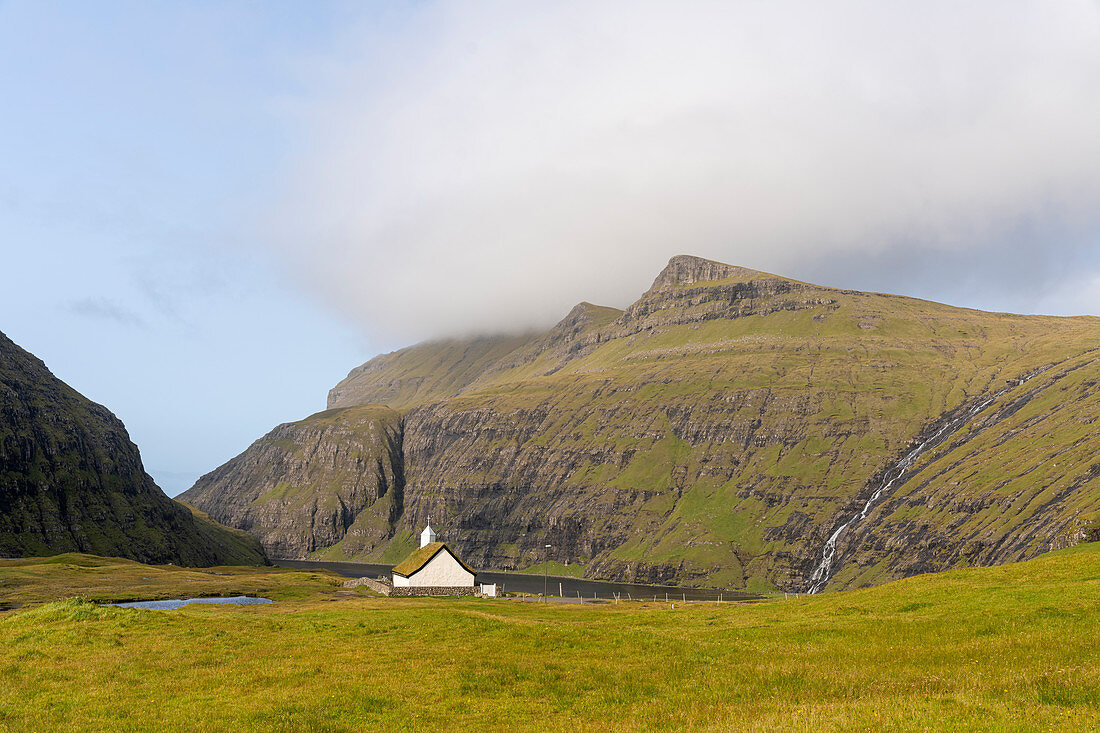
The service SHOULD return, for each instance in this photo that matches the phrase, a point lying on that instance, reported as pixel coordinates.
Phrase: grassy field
(573, 570)
(1007, 648)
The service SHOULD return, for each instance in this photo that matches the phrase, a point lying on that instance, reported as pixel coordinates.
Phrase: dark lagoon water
(174, 604)
(554, 585)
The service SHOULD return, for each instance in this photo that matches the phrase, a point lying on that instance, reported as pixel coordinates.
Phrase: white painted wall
(442, 570)
(400, 582)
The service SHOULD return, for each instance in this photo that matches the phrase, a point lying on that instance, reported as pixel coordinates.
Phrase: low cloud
(476, 166)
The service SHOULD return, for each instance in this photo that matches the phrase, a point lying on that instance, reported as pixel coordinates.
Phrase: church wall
(442, 571)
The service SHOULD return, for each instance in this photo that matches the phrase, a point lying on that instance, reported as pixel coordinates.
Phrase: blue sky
(210, 212)
(139, 141)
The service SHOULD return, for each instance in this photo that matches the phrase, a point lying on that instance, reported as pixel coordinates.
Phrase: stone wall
(375, 585)
(436, 590)
(386, 589)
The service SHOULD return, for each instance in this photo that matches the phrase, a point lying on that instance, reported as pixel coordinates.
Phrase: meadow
(1005, 648)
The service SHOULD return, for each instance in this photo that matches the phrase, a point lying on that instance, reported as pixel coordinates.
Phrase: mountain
(332, 481)
(720, 430)
(71, 481)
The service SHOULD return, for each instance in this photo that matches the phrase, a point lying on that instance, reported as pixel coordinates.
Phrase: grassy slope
(1006, 648)
(839, 393)
(237, 547)
(557, 569)
(71, 479)
(422, 372)
(725, 437)
(995, 483)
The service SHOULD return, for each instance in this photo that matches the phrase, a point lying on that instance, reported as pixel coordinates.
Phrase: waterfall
(825, 569)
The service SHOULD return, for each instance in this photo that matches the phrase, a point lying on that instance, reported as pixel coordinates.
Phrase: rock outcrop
(71, 481)
(334, 481)
(717, 431)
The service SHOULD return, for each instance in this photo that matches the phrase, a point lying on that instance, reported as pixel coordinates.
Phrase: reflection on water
(535, 584)
(174, 604)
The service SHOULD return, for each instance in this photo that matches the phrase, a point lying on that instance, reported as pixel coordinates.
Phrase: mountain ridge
(717, 430)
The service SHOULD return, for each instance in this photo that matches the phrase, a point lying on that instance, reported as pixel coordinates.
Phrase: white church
(434, 565)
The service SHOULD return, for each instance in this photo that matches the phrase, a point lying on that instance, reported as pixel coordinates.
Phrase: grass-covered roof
(421, 557)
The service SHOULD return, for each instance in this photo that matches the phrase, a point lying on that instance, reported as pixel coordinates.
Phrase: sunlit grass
(1009, 648)
(103, 579)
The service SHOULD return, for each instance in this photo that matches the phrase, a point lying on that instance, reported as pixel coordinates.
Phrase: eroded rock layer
(718, 431)
(332, 481)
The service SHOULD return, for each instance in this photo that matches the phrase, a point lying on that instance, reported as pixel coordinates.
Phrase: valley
(549, 366)
(1003, 648)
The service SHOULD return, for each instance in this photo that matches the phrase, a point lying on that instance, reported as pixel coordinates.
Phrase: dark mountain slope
(71, 481)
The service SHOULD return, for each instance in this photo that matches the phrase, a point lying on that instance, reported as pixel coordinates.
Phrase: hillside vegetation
(991, 649)
(71, 480)
(718, 431)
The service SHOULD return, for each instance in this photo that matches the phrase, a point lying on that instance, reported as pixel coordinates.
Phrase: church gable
(434, 564)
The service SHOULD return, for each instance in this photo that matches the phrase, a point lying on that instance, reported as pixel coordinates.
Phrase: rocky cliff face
(1019, 478)
(723, 426)
(334, 481)
(71, 480)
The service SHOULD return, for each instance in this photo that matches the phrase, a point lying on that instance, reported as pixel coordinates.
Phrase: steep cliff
(333, 482)
(71, 480)
(726, 424)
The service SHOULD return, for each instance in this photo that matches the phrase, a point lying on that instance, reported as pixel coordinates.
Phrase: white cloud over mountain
(486, 165)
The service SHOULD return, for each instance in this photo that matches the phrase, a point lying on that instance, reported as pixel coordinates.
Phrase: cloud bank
(476, 166)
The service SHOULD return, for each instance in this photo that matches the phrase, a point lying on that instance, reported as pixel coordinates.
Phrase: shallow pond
(174, 604)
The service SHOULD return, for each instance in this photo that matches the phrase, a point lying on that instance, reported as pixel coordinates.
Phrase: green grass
(561, 570)
(107, 579)
(237, 546)
(995, 649)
